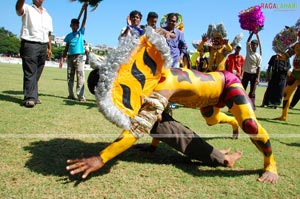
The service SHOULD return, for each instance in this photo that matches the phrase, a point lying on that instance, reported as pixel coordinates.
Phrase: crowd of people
(230, 75)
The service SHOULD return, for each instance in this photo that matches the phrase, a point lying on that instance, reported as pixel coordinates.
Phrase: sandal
(82, 100)
(38, 101)
(29, 104)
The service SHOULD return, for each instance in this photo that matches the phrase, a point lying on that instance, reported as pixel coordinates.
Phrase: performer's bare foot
(229, 160)
(281, 118)
(225, 151)
(268, 177)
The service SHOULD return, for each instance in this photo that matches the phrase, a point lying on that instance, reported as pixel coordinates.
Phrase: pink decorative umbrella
(252, 19)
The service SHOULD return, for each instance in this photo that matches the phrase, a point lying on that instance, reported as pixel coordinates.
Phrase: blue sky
(104, 25)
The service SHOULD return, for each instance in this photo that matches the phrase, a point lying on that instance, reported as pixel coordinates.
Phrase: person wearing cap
(35, 47)
(75, 51)
(251, 67)
(235, 62)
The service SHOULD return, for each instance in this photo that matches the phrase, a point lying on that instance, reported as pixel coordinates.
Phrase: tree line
(10, 45)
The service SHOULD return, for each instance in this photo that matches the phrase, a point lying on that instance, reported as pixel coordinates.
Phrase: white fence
(14, 60)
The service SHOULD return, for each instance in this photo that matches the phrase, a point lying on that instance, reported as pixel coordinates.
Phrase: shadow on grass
(294, 144)
(49, 158)
(12, 96)
(295, 112)
(276, 121)
(58, 79)
(89, 103)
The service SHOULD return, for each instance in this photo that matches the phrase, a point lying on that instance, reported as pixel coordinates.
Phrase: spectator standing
(133, 26)
(177, 44)
(235, 62)
(276, 81)
(152, 19)
(75, 51)
(35, 46)
(251, 67)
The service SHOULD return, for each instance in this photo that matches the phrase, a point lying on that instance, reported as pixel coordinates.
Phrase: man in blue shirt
(176, 43)
(75, 51)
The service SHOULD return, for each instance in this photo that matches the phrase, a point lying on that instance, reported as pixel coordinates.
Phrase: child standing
(74, 51)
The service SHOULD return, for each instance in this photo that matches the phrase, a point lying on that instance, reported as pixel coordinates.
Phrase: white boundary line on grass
(83, 135)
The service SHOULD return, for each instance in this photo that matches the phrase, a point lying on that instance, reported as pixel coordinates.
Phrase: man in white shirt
(251, 67)
(35, 46)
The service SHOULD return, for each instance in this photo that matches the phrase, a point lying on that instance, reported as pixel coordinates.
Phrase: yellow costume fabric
(209, 92)
(121, 144)
(139, 76)
(189, 85)
(194, 58)
(129, 75)
(141, 124)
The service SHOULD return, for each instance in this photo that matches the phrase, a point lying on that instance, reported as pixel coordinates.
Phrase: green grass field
(35, 144)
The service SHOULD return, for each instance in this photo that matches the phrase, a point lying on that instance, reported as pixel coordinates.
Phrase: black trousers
(34, 56)
(274, 92)
(248, 77)
(186, 141)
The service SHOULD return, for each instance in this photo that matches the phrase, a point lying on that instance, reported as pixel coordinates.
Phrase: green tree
(57, 52)
(9, 43)
(263, 76)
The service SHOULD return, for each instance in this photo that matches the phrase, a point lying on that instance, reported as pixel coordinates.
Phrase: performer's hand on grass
(84, 165)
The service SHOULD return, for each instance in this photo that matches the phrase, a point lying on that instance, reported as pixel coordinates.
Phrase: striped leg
(290, 87)
(213, 116)
(240, 106)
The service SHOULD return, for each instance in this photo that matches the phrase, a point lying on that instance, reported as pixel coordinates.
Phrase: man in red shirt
(235, 61)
